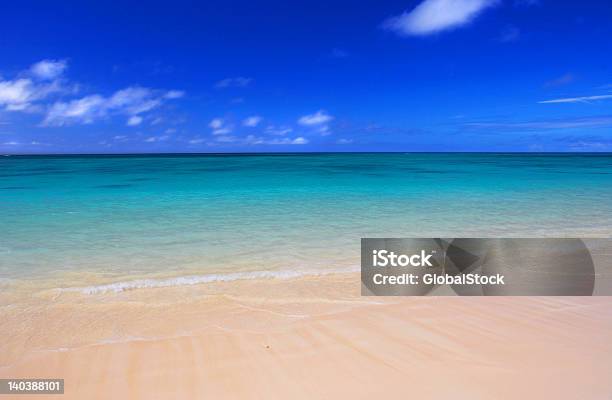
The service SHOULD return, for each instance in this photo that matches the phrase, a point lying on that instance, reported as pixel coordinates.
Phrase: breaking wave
(199, 279)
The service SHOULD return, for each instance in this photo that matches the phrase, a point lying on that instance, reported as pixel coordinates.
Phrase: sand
(309, 338)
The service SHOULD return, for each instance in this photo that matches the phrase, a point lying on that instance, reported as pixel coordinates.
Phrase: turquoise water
(85, 221)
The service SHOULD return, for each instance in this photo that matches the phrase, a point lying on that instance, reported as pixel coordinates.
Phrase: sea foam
(150, 283)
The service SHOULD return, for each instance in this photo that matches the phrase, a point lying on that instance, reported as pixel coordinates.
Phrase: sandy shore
(309, 338)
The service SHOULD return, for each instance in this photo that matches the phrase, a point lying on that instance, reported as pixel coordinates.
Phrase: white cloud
(19, 94)
(256, 140)
(296, 141)
(134, 100)
(251, 139)
(219, 127)
(15, 93)
(216, 123)
(154, 139)
(222, 131)
(48, 69)
(134, 120)
(344, 141)
(299, 140)
(432, 16)
(196, 141)
(130, 101)
(84, 110)
(318, 118)
(174, 94)
(252, 121)
(226, 139)
(583, 99)
(278, 131)
(31, 90)
(238, 82)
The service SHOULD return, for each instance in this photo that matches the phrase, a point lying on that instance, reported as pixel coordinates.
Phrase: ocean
(110, 223)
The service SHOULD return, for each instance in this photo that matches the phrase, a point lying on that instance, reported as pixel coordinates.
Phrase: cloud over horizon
(318, 120)
(219, 126)
(131, 101)
(40, 81)
(42, 88)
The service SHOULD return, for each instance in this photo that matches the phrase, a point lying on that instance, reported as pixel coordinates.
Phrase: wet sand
(309, 338)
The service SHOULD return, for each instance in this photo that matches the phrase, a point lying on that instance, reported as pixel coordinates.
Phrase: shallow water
(79, 222)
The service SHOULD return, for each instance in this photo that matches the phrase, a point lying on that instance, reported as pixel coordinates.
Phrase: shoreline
(315, 337)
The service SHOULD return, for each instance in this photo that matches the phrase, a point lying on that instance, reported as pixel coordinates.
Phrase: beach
(237, 277)
(316, 337)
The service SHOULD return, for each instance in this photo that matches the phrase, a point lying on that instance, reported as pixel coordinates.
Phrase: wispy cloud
(432, 16)
(237, 82)
(196, 140)
(583, 99)
(219, 127)
(226, 139)
(560, 81)
(299, 140)
(39, 82)
(43, 87)
(48, 69)
(252, 121)
(275, 142)
(318, 118)
(216, 123)
(510, 34)
(556, 124)
(134, 120)
(130, 101)
(174, 94)
(278, 130)
(24, 144)
(250, 140)
(154, 139)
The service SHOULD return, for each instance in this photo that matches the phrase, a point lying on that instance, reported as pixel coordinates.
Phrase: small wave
(199, 279)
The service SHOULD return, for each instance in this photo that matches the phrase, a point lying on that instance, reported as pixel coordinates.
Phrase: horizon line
(299, 153)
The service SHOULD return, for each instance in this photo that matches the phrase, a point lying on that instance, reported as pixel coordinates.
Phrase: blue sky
(266, 76)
